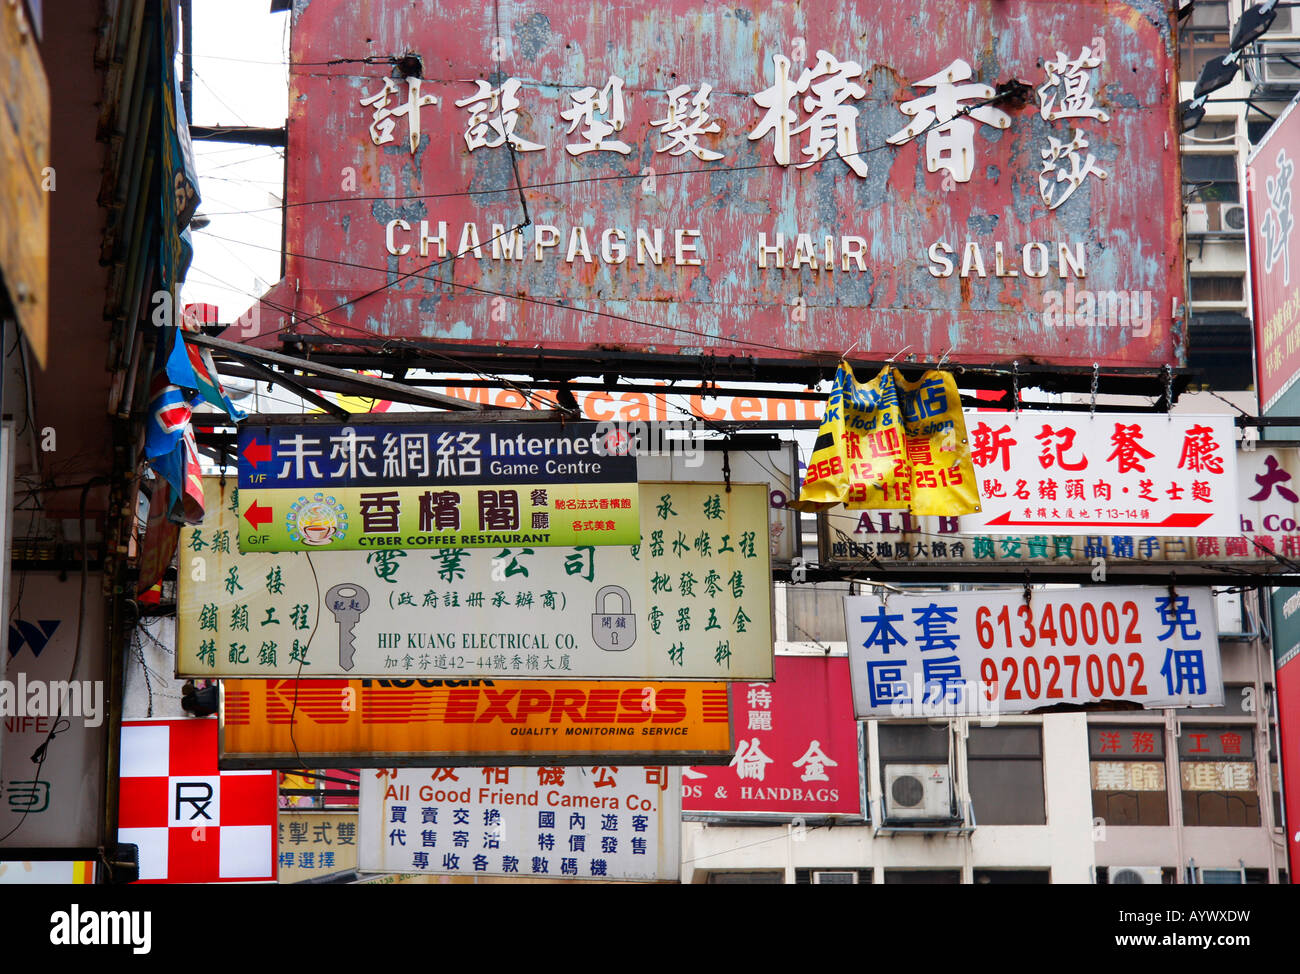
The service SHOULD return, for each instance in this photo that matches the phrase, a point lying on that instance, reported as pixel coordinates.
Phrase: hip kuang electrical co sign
(737, 179)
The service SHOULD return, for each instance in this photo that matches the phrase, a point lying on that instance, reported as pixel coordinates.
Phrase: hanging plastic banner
(890, 444)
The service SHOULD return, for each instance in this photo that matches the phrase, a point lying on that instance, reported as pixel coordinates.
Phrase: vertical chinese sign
(1275, 261)
(705, 549)
(797, 748)
(1286, 662)
(592, 823)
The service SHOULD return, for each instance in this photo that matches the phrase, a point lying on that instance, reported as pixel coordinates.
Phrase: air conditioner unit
(1273, 70)
(1216, 217)
(841, 877)
(1232, 217)
(1284, 25)
(1229, 875)
(918, 791)
(1136, 875)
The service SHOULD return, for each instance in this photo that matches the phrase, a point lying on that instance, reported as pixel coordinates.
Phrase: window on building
(815, 613)
(1217, 768)
(922, 877)
(761, 877)
(1210, 133)
(1126, 875)
(1256, 130)
(1210, 178)
(1205, 35)
(1128, 774)
(1005, 767)
(1213, 288)
(913, 743)
(924, 792)
(1007, 877)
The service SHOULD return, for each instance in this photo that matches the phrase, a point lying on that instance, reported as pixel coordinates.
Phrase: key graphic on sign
(347, 601)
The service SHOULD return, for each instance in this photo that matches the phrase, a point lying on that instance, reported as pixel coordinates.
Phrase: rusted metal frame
(561, 363)
(366, 382)
(323, 383)
(260, 371)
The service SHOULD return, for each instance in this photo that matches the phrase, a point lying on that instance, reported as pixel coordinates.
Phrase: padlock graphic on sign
(614, 631)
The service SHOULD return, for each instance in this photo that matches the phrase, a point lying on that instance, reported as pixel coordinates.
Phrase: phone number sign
(998, 652)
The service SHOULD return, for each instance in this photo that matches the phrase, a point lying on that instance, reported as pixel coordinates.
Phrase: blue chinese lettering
(1184, 666)
(933, 621)
(883, 634)
(1175, 613)
(885, 683)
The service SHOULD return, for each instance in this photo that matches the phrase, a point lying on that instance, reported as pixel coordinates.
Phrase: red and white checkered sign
(192, 822)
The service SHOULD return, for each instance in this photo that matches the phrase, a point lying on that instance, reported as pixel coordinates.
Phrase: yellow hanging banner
(894, 445)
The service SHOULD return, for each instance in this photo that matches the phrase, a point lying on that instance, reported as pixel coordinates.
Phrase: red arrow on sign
(256, 453)
(256, 514)
(1172, 521)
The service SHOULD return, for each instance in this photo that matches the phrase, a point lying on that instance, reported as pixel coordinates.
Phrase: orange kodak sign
(459, 723)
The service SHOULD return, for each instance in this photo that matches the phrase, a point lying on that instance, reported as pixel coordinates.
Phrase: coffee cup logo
(317, 520)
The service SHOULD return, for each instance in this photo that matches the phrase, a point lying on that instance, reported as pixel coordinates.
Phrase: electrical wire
(533, 398)
(618, 177)
(420, 273)
(293, 713)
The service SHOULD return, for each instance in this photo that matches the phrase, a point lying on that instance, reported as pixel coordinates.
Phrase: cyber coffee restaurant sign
(1267, 530)
(368, 487)
(737, 180)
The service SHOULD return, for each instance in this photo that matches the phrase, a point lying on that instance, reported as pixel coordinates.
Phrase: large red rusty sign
(765, 179)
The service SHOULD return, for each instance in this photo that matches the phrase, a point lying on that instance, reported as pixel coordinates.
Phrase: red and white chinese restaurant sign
(797, 746)
(1114, 473)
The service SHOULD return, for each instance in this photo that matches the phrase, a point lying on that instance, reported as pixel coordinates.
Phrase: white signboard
(599, 823)
(994, 652)
(776, 468)
(693, 601)
(1268, 484)
(1113, 473)
(55, 802)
